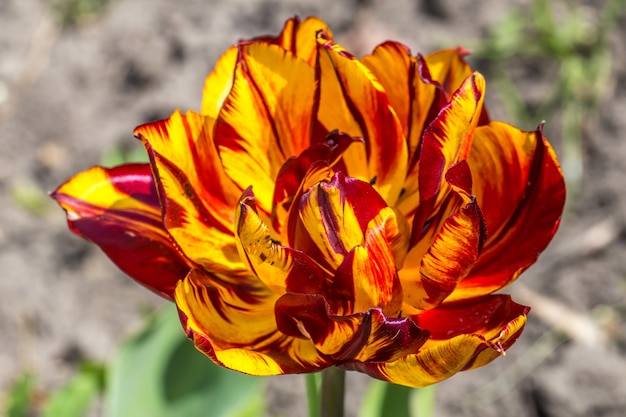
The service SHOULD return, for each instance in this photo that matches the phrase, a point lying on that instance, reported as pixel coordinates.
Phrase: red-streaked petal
(300, 37)
(237, 328)
(446, 142)
(447, 69)
(218, 83)
(196, 194)
(266, 118)
(333, 217)
(520, 188)
(394, 67)
(291, 177)
(371, 269)
(451, 253)
(280, 268)
(363, 336)
(118, 209)
(286, 88)
(442, 356)
(485, 316)
(353, 101)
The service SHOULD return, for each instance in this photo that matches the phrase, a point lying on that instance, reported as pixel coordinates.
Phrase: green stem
(422, 401)
(312, 393)
(332, 392)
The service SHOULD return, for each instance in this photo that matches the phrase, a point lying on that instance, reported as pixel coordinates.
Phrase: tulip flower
(323, 210)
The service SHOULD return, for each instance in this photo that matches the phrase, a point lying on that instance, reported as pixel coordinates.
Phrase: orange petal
(218, 83)
(354, 102)
(463, 337)
(520, 188)
(449, 138)
(118, 209)
(266, 118)
(448, 69)
(445, 258)
(196, 193)
(371, 269)
(394, 67)
(300, 37)
(237, 329)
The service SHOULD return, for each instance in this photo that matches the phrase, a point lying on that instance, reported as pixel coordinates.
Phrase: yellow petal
(218, 83)
(196, 193)
(354, 102)
(300, 37)
(280, 268)
(236, 328)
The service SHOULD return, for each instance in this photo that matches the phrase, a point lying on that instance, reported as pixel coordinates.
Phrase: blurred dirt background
(76, 76)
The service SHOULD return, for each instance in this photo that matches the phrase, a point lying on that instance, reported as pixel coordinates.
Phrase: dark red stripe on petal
(364, 336)
(470, 317)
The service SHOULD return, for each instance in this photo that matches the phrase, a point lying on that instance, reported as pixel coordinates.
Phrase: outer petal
(447, 69)
(197, 196)
(353, 101)
(118, 209)
(520, 187)
(236, 328)
(462, 337)
(363, 336)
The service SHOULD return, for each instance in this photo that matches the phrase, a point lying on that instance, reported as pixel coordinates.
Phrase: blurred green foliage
(122, 154)
(70, 13)
(156, 372)
(27, 195)
(573, 39)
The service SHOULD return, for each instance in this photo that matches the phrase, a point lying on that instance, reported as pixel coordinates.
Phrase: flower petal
(354, 102)
(447, 69)
(280, 268)
(266, 118)
(446, 142)
(292, 175)
(214, 316)
(333, 217)
(520, 188)
(218, 83)
(363, 336)
(370, 270)
(300, 37)
(198, 197)
(462, 337)
(118, 209)
(447, 257)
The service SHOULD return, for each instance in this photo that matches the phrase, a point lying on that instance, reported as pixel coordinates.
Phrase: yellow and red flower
(323, 210)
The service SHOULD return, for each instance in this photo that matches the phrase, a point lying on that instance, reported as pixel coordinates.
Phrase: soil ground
(70, 93)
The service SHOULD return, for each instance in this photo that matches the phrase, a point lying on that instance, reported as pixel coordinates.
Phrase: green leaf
(385, 399)
(76, 397)
(19, 396)
(159, 373)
